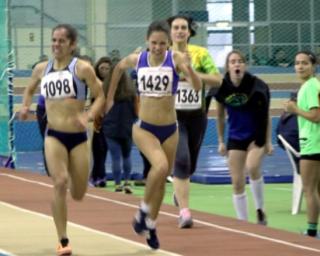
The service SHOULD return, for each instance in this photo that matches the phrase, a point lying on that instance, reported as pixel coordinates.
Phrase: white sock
(241, 205)
(257, 192)
(144, 207)
(150, 223)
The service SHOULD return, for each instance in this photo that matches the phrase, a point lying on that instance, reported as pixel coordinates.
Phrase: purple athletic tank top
(157, 81)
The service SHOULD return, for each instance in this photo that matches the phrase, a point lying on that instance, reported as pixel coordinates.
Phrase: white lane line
(237, 231)
(84, 228)
(282, 189)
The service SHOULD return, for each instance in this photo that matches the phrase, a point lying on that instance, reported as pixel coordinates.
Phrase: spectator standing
(191, 110)
(307, 108)
(246, 99)
(288, 128)
(117, 129)
(99, 145)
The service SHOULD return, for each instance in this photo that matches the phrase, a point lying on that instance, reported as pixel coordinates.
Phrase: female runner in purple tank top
(155, 133)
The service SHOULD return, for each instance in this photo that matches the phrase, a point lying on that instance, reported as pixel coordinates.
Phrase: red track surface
(113, 212)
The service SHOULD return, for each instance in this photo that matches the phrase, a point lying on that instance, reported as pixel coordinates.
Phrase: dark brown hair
(125, 88)
(192, 25)
(98, 63)
(159, 26)
(312, 57)
(72, 33)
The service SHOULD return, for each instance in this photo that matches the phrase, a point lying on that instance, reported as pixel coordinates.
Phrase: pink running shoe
(185, 219)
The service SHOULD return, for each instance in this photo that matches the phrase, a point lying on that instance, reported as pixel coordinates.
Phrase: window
(219, 28)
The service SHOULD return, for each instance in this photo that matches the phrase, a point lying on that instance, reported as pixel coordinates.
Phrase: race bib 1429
(155, 81)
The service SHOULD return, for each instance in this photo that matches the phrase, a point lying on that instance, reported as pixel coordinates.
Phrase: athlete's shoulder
(41, 65)
(313, 80)
(83, 69)
(80, 62)
(39, 69)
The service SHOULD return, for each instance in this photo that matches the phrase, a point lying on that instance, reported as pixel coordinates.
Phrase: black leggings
(192, 127)
(99, 153)
(314, 157)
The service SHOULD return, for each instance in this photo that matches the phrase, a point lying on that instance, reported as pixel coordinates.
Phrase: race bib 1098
(58, 85)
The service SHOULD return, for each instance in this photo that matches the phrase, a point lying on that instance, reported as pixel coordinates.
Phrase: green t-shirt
(202, 62)
(309, 132)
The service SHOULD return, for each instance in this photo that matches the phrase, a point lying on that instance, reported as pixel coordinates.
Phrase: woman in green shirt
(191, 110)
(307, 109)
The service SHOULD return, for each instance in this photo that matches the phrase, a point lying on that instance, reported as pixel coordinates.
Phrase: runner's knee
(60, 183)
(77, 193)
(182, 168)
(238, 186)
(161, 168)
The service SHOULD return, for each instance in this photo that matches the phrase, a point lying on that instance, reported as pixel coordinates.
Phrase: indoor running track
(100, 225)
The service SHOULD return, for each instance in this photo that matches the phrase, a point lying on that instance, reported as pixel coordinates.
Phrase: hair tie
(194, 26)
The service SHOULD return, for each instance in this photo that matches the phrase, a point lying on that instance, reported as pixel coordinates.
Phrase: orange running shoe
(64, 251)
